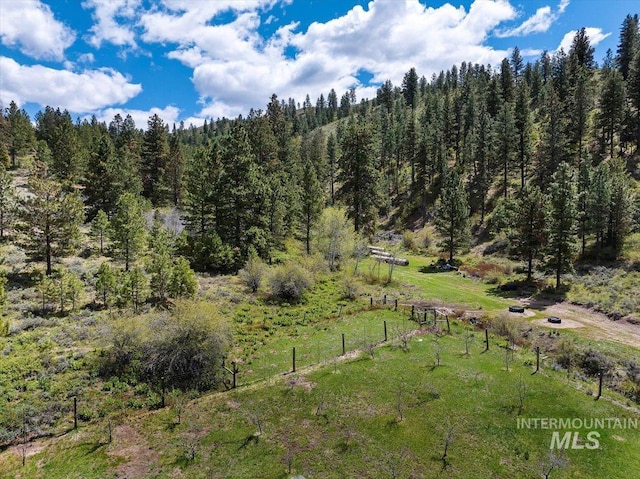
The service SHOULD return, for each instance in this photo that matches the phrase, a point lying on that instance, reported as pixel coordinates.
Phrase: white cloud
(86, 58)
(169, 115)
(540, 22)
(87, 91)
(108, 28)
(386, 39)
(30, 26)
(595, 35)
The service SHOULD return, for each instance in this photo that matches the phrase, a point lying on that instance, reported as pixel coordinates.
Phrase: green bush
(289, 282)
(409, 240)
(253, 272)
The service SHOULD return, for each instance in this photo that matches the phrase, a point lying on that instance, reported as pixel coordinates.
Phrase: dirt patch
(138, 457)
(593, 324)
(566, 324)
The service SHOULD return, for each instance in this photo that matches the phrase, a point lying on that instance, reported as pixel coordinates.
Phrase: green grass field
(375, 412)
(362, 417)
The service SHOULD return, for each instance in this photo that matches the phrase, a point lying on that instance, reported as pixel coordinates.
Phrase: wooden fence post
(448, 325)
(486, 339)
(413, 309)
(600, 375)
(537, 358)
(343, 348)
(371, 301)
(384, 299)
(396, 305)
(75, 412)
(385, 330)
(294, 359)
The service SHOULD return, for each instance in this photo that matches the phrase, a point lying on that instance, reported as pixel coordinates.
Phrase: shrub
(253, 272)
(4, 327)
(289, 282)
(350, 288)
(593, 362)
(409, 240)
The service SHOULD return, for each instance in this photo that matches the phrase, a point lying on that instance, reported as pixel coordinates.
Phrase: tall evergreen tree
(50, 218)
(20, 132)
(359, 176)
(530, 234)
(621, 206)
(332, 162)
(202, 181)
(523, 128)
(128, 229)
(629, 44)
(242, 219)
(155, 152)
(311, 197)
(611, 107)
(175, 169)
(599, 205)
(553, 147)
(410, 88)
(561, 221)
(506, 140)
(452, 214)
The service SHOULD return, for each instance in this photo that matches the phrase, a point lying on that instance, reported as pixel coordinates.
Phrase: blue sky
(194, 59)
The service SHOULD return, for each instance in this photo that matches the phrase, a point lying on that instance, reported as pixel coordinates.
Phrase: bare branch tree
(522, 393)
(553, 461)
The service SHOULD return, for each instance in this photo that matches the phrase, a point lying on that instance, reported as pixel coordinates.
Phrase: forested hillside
(542, 155)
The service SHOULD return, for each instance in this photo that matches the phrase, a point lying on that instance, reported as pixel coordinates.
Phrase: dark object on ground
(554, 320)
(509, 287)
(516, 309)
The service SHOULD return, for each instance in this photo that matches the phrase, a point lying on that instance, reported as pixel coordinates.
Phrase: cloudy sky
(195, 59)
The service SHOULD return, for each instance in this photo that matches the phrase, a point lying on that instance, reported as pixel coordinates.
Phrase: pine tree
(410, 88)
(175, 169)
(629, 44)
(611, 106)
(583, 188)
(183, 281)
(506, 140)
(332, 162)
(242, 219)
(50, 218)
(530, 233)
(553, 147)
(517, 64)
(20, 132)
(99, 182)
(160, 264)
(633, 93)
(359, 176)
(599, 204)
(621, 207)
(127, 232)
(312, 197)
(452, 214)
(100, 229)
(481, 178)
(561, 221)
(523, 128)
(202, 181)
(155, 153)
(106, 282)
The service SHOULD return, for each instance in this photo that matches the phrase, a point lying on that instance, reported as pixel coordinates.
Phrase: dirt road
(591, 323)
